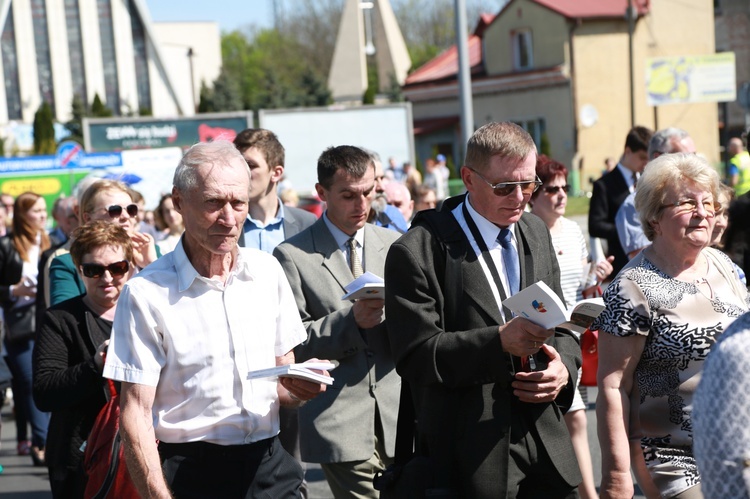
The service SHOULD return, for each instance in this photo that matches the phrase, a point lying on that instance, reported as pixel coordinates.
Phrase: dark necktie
(510, 261)
(354, 263)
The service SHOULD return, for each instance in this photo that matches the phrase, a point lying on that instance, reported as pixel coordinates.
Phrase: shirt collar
(487, 229)
(627, 174)
(342, 237)
(186, 273)
(278, 218)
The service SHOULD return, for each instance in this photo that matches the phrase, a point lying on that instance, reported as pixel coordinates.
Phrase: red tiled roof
(582, 9)
(445, 65)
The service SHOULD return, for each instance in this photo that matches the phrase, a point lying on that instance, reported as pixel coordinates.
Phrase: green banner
(128, 133)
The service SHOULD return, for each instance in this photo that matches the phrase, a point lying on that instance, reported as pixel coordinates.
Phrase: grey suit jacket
(339, 425)
(295, 221)
(445, 341)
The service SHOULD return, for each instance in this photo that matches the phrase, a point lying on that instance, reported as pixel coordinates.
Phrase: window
(536, 128)
(43, 60)
(75, 49)
(141, 58)
(523, 54)
(109, 57)
(10, 68)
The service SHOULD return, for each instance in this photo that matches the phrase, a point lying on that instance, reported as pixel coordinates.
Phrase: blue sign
(70, 154)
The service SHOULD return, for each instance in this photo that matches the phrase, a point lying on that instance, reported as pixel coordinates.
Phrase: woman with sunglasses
(69, 353)
(19, 260)
(111, 201)
(664, 312)
(548, 203)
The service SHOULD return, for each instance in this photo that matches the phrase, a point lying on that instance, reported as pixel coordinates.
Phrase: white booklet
(302, 371)
(539, 304)
(365, 287)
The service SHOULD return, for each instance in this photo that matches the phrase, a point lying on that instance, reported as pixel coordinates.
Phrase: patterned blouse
(682, 321)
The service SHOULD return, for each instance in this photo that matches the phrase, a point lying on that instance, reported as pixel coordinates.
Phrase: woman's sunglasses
(116, 210)
(554, 189)
(95, 270)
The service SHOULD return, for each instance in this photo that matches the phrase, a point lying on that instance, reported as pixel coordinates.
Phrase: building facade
(561, 69)
(55, 49)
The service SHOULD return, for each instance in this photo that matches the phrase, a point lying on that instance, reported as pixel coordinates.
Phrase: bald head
(399, 196)
(735, 146)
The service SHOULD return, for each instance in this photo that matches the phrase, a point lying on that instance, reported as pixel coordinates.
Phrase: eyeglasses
(116, 210)
(684, 206)
(528, 187)
(554, 189)
(95, 270)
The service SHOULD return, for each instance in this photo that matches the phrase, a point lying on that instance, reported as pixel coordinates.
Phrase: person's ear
(176, 200)
(276, 173)
(321, 192)
(466, 177)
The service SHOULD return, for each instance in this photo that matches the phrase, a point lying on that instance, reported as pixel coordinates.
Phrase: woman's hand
(101, 352)
(24, 287)
(144, 249)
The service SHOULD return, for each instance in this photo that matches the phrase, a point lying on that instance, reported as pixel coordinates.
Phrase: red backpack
(103, 459)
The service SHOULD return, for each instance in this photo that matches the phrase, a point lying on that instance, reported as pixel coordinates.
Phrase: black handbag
(410, 476)
(20, 323)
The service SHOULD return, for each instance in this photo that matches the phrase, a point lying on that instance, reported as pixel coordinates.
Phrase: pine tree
(206, 102)
(44, 130)
(75, 125)
(98, 109)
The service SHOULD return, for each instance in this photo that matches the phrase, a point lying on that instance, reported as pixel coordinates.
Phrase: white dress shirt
(489, 232)
(195, 339)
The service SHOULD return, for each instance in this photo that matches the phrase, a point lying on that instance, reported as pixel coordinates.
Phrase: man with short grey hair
(666, 141)
(188, 330)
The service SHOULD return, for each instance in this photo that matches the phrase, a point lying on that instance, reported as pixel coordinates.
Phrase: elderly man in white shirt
(189, 329)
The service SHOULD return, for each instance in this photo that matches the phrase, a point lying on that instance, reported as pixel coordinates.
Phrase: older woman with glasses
(110, 201)
(548, 203)
(69, 352)
(665, 311)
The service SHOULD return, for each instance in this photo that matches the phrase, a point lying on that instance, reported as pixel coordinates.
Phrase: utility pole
(464, 74)
(631, 29)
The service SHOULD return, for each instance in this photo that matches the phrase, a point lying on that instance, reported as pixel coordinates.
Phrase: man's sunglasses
(95, 270)
(554, 189)
(528, 187)
(116, 210)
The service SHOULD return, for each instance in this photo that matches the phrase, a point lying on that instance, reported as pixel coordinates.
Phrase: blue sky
(230, 14)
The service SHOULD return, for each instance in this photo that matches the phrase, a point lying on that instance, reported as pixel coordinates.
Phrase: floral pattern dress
(681, 321)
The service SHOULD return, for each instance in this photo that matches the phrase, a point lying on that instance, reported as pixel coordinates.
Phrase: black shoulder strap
(452, 280)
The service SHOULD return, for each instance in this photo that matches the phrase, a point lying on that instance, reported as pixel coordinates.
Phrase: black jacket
(66, 381)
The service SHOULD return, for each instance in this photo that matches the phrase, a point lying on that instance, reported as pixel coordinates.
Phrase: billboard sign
(118, 134)
(687, 79)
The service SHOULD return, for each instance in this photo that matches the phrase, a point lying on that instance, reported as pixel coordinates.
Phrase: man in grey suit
(489, 389)
(351, 431)
(268, 221)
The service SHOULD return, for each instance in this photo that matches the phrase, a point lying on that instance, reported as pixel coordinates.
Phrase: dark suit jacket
(295, 221)
(609, 193)
(445, 341)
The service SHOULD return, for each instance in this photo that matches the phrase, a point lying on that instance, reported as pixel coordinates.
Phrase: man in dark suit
(488, 418)
(351, 432)
(268, 222)
(611, 190)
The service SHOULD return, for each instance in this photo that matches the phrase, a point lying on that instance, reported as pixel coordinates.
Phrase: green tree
(206, 100)
(44, 130)
(98, 109)
(226, 93)
(75, 125)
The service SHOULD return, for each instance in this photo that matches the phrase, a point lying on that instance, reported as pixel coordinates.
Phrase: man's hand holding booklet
(365, 287)
(306, 371)
(539, 304)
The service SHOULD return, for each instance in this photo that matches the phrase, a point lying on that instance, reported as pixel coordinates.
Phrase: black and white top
(682, 321)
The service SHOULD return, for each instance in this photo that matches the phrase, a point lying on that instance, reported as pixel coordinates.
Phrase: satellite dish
(588, 115)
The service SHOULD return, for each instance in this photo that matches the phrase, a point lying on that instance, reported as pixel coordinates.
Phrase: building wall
(549, 37)
(171, 90)
(733, 35)
(672, 28)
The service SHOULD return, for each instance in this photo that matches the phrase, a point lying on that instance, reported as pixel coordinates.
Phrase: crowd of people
(228, 276)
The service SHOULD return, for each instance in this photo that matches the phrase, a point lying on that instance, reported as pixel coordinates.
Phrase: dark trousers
(201, 469)
(19, 362)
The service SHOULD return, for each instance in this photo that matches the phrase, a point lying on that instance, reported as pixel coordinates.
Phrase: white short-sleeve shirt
(195, 339)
